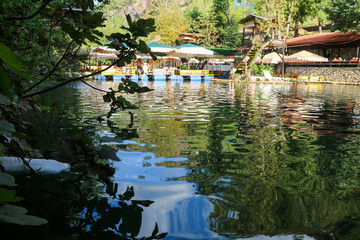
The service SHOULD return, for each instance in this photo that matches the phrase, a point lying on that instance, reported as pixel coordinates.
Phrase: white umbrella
(270, 58)
(305, 56)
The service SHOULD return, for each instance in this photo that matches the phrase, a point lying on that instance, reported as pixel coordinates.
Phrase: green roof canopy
(224, 52)
(188, 45)
(157, 45)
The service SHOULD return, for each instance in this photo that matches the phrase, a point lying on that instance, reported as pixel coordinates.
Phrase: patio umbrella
(305, 56)
(270, 58)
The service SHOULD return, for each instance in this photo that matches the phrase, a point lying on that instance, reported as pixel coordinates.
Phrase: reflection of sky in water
(139, 165)
(176, 209)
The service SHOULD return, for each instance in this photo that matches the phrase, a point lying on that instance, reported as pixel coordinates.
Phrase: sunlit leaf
(12, 61)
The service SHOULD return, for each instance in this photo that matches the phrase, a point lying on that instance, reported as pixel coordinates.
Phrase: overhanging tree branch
(68, 81)
(52, 70)
(98, 89)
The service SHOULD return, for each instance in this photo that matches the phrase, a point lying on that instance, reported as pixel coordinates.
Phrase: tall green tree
(170, 21)
(201, 22)
(221, 10)
(345, 15)
(226, 16)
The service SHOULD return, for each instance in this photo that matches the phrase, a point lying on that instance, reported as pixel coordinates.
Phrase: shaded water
(212, 161)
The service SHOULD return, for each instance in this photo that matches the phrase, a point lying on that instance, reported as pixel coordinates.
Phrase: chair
(267, 74)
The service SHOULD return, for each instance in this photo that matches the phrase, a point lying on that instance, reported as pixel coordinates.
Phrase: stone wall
(331, 75)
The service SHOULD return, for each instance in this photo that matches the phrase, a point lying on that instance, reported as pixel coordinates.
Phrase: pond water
(208, 161)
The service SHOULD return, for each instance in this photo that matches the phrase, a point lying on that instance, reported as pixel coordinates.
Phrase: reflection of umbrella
(305, 56)
(270, 58)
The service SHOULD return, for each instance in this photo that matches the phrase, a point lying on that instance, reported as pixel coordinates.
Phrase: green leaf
(9, 209)
(156, 230)
(4, 100)
(143, 47)
(7, 179)
(129, 21)
(84, 5)
(24, 220)
(8, 196)
(6, 126)
(121, 86)
(91, 4)
(108, 152)
(12, 61)
(107, 98)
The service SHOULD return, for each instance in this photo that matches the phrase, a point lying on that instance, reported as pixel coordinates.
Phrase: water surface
(215, 161)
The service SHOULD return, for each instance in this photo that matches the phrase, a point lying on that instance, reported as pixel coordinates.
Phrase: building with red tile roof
(330, 45)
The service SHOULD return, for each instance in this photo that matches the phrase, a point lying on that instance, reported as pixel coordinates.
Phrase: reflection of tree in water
(102, 219)
(272, 179)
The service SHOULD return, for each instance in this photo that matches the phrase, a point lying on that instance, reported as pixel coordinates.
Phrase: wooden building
(336, 46)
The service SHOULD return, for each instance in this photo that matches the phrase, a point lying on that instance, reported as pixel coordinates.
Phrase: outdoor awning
(194, 50)
(305, 56)
(183, 51)
(160, 48)
(103, 55)
(332, 39)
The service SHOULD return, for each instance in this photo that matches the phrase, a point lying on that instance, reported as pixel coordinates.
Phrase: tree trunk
(296, 32)
(320, 27)
(228, 17)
